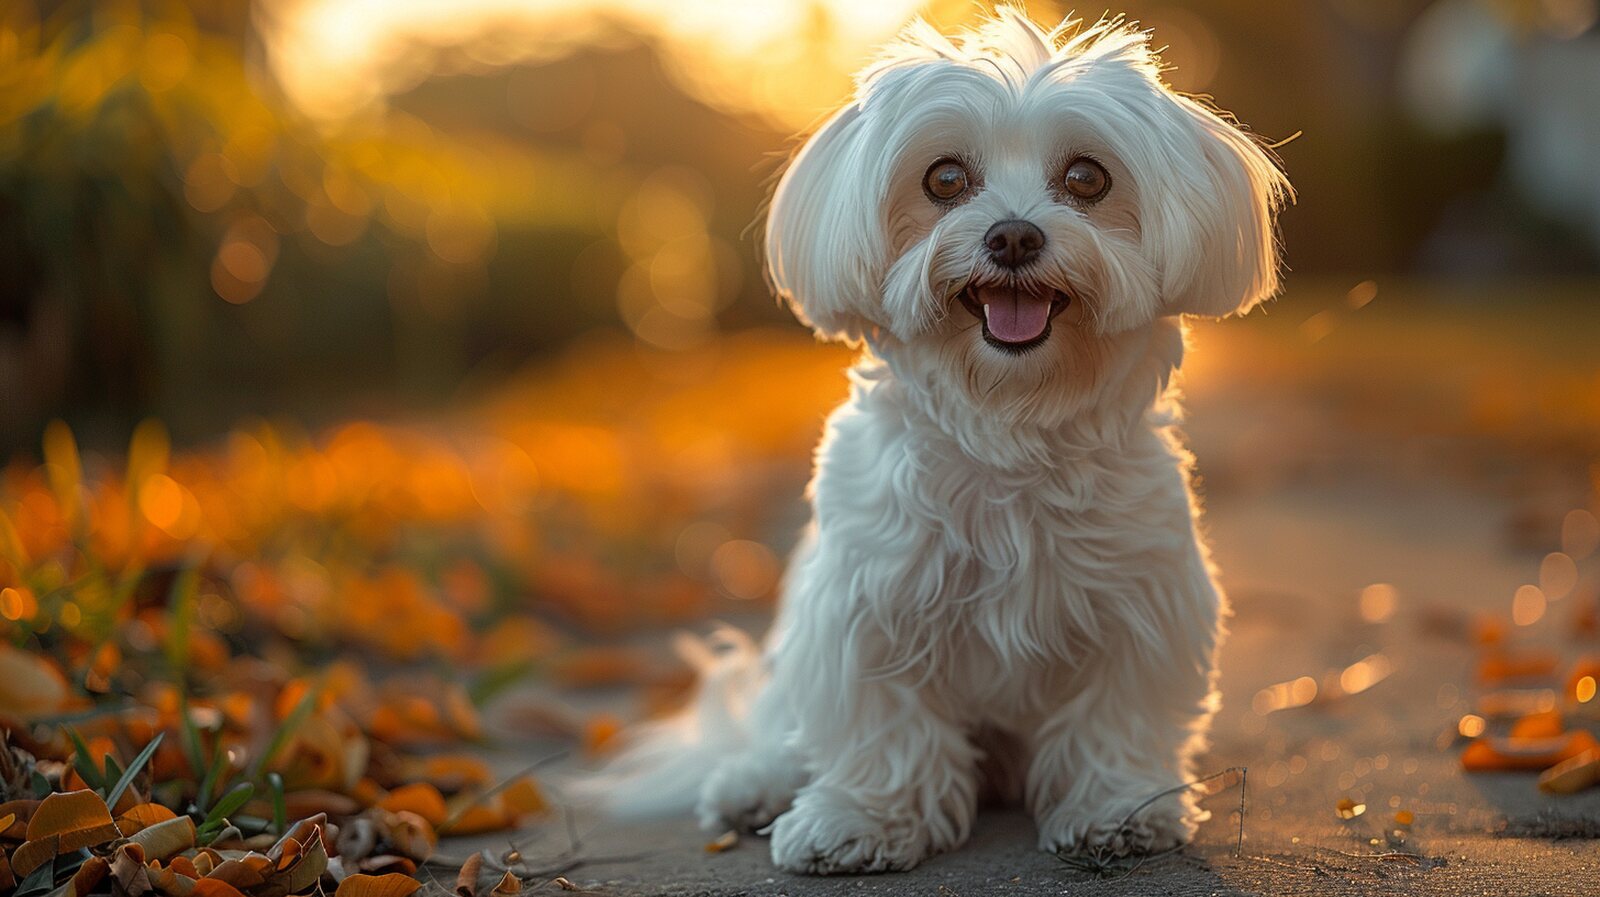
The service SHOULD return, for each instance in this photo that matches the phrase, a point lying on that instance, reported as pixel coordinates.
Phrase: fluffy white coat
(1004, 587)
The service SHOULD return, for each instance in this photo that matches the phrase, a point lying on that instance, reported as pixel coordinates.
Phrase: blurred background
(320, 208)
(433, 332)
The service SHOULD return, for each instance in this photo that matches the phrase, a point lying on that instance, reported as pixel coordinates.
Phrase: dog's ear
(1219, 226)
(824, 241)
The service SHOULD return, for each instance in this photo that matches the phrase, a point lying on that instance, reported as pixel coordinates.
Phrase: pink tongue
(1014, 316)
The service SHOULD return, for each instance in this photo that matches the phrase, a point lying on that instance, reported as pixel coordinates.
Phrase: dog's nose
(1014, 242)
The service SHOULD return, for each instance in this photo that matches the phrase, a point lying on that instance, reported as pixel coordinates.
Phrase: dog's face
(1006, 209)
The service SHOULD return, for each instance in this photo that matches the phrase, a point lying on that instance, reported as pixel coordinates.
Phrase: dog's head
(1014, 200)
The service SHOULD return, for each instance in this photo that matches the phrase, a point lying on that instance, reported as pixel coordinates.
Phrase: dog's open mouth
(1016, 317)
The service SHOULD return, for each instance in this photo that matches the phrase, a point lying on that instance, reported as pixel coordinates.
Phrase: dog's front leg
(1130, 734)
(895, 786)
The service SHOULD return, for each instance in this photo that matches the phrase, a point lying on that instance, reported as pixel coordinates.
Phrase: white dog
(1003, 585)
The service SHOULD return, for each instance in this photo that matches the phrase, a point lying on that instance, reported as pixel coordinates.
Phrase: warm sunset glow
(786, 61)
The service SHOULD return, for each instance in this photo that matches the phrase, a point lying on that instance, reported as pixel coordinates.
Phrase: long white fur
(1001, 543)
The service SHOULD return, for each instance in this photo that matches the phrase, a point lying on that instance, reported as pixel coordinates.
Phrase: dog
(1003, 588)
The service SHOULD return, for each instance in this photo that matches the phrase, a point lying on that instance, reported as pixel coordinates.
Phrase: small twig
(1390, 855)
(1101, 861)
(502, 785)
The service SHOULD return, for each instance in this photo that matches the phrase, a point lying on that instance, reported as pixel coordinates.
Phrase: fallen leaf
(1573, 774)
(213, 887)
(64, 822)
(163, 839)
(1499, 754)
(378, 886)
(524, 797)
(1546, 724)
(411, 836)
(30, 685)
(508, 885)
(1349, 809)
(723, 842)
(19, 811)
(142, 817)
(467, 878)
(420, 798)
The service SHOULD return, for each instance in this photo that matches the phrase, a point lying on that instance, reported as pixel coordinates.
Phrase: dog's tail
(663, 763)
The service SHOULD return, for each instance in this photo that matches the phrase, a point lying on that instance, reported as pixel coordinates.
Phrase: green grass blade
(138, 763)
(280, 804)
(288, 727)
(202, 799)
(230, 802)
(84, 762)
(180, 611)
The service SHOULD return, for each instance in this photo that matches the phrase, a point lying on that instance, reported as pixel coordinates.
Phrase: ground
(1312, 495)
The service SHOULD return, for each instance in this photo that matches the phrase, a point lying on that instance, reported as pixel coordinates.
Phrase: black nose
(1013, 243)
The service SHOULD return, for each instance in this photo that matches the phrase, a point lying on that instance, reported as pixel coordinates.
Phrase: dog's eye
(1086, 179)
(946, 181)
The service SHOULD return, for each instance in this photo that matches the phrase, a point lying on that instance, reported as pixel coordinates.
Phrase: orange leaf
(30, 685)
(420, 798)
(478, 819)
(391, 885)
(1573, 774)
(214, 887)
(508, 886)
(1497, 754)
(141, 817)
(64, 823)
(1546, 724)
(20, 812)
(454, 772)
(524, 797)
(600, 734)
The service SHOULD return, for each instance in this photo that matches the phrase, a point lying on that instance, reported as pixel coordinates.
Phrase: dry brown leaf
(63, 823)
(88, 877)
(19, 811)
(174, 879)
(247, 873)
(411, 835)
(420, 798)
(213, 887)
(129, 872)
(723, 842)
(452, 772)
(142, 817)
(508, 885)
(312, 801)
(477, 818)
(163, 839)
(524, 797)
(30, 685)
(392, 885)
(387, 864)
(467, 880)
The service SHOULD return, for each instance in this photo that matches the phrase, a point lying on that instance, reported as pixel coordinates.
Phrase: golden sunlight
(785, 60)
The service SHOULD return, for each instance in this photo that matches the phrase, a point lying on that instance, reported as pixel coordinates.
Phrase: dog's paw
(1114, 830)
(746, 793)
(830, 835)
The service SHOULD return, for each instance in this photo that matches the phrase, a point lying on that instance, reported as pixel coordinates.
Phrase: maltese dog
(1003, 591)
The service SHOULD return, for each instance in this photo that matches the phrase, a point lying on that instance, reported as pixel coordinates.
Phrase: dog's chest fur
(1013, 578)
